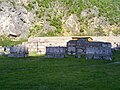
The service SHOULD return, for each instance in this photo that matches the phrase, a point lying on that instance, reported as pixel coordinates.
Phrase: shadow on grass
(69, 61)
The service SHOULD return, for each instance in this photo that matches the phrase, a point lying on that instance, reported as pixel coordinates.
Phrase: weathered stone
(55, 52)
(96, 57)
(107, 57)
(89, 56)
(15, 20)
(12, 49)
(2, 54)
(11, 55)
(18, 51)
(99, 50)
(71, 47)
(71, 25)
(90, 12)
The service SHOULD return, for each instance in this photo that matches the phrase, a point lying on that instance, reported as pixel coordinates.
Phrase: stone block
(107, 58)
(96, 57)
(89, 56)
(55, 52)
(11, 55)
(2, 54)
(12, 49)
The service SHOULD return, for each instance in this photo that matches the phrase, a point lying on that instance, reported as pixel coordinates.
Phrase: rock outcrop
(71, 25)
(15, 19)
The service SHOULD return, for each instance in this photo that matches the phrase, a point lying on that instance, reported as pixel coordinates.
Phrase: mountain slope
(64, 17)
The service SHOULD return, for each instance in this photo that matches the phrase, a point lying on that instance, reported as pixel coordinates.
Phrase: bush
(4, 41)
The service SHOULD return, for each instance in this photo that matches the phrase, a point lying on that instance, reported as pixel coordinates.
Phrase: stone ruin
(71, 47)
(4, 50)
(39, 44)
(55, 52)
(80, 47)
(18, 51)
(99, 50)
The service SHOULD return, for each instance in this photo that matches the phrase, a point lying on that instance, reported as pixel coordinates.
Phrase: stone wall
(39, 44)
(55, 52)
(92, 50)
(18, 51)
(1, 51)
(71, 47)
(80, 47)
(114, 40)
(99, 50)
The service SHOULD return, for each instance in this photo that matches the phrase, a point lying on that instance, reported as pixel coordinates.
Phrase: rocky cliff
(23, 18)
(15, 20)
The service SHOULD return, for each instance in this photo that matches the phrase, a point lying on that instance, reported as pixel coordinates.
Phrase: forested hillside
(63, 17)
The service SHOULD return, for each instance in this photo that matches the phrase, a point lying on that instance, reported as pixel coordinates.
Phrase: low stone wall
(2, 51)
(55, 52)
(114, 40)
(39, 44)
(18, 51)
(99, 50)
(81, 46)
(71, 47)
(92, 50)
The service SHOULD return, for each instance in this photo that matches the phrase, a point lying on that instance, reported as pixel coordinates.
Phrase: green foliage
(30, 6)
(116, 31)
(39, 73)
(57, 23)
(50, 33)
(13, 3)
(99, 32)
(4, 41)
(36, 30)
(108, 9)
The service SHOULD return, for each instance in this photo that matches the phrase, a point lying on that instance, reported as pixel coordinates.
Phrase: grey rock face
(96, 22)
(72, 24)
(90, 12)
(15, 19)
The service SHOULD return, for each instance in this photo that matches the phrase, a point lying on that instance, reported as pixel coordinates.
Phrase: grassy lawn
(39, 73)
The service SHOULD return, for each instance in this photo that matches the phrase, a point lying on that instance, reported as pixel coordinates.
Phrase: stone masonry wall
(99, 50)
(55, 52)
(1, 50)
(39, 44)
(18, 51)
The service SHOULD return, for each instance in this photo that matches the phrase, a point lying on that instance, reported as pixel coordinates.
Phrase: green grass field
(39, 73)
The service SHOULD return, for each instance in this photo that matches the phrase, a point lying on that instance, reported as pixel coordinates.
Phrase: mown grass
(39, 73)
